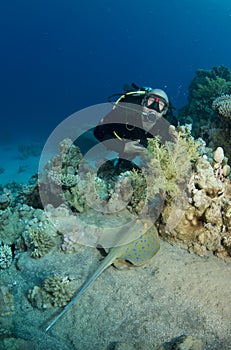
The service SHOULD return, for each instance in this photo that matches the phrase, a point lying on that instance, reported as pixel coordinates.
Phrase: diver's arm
(111, 135)
(120, 136)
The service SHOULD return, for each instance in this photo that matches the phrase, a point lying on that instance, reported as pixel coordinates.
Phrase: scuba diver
(128, 126)
(138, 114)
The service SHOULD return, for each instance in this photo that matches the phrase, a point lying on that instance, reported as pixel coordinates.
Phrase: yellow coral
(170, 157)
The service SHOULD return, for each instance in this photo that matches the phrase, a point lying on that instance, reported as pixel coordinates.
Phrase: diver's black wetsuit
(123, 124)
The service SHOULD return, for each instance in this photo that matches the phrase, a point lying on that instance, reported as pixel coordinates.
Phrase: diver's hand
(133, 147)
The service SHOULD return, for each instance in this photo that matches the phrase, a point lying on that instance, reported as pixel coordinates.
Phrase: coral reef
(201, 111)
(222, 106)
(5, 199)
(39, 237)
(78, 192)
(205, 225)
(169, 157)
(196, 204)
(6, 256)
(18, 205)
(56, 291)
(204, 88)
(135, 193)
(6, 301)
(60, 179)
(11, 225)
(75, 197)
(62, 170)
(221, 168)
(7, 310)
(193, 181)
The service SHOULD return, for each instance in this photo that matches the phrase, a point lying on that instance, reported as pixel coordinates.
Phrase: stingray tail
(106, 262)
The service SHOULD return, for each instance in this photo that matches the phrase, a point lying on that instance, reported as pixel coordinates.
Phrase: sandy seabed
(176, 293)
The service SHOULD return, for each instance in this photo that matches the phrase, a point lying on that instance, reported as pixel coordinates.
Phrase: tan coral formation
(222, 106)
(62, 169)
(40, 235)
(56, 291)
(206, 223)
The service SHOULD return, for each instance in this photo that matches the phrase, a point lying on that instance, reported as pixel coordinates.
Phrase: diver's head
(156, 100)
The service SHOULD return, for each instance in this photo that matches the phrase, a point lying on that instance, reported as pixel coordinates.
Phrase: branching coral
(60, 173)
(163, 160)
(38, 240)
(57, 291)
(184, 137)
(170, 157)
(6, 256)
(139, 190)
(62, 169)
(74, 198)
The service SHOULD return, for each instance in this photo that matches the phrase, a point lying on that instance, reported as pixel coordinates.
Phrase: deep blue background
(58, 56)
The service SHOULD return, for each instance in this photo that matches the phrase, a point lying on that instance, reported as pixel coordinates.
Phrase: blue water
(60, 56)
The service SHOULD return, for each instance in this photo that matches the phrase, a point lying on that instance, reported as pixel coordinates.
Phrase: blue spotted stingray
(137, 252)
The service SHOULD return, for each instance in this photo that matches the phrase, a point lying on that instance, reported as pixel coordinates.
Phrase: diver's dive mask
(155, 102)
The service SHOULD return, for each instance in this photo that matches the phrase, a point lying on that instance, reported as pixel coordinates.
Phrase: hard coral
(205, 87)
(57, 291)
(205, 224)
(6, 256)
(62, 169)
(38, 240)
(222, 106)
(59, 183)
